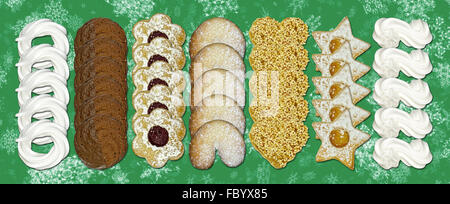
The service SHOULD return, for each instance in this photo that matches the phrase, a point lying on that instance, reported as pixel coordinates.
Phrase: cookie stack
(340, 92)
(278, 85)
(159, 85)
(101, 93)
(217, 72)
(389, 91)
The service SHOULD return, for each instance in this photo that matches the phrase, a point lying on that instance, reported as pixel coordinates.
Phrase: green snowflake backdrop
(318, 14)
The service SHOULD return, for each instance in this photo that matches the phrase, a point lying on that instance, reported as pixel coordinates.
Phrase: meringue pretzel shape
(390, 121)
(156, 50)
(389, 32)
(158, 155)
(145, 101)
(217, 135)
(390, 61)
(324, 85)
(390, 151)
(40, 28)
(388, 92)
(160, 24)
(142, 76)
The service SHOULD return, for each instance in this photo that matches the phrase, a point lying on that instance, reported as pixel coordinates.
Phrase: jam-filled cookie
(217, 55)
(217, 135)
(217, 81)
(158, 137)
(145, 102)
(144, 78)
(159, 25)
(217, 30)
(159, 49)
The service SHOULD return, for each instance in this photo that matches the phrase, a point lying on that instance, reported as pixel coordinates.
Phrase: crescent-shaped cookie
(204, 114)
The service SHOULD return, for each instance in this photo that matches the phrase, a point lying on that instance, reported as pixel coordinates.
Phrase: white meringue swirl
(390, 31)
(40, 28)
(390, 61)
(388, 92)
(389, 121)
(44, 106)
(390, 151)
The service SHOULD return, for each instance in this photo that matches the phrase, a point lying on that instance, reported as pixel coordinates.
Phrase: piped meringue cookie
(390, 61)
(389, 121)
(41, 28)
(390, 31)
(388, 92)
(390, 151)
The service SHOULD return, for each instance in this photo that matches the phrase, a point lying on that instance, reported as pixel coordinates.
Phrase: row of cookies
(389, 91)
(100, 93)
(278, 86)
(159, 84)
(339, 93)
(217, 73)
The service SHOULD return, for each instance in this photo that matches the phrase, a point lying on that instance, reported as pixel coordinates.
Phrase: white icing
(389, 121)
(44, 106)
(43, 129)
(41, 28)
(389, 92)
(390, 31)
(390, 61)
(390, 151)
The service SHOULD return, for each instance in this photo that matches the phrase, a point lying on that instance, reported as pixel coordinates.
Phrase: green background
(319, 15)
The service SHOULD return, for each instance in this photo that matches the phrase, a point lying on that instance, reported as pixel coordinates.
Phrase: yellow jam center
(335, 112)
(335, 66)
(335, 44)
(336, 89)
(339, 137)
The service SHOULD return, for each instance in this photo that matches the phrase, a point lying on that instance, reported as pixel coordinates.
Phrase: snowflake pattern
(219, 8)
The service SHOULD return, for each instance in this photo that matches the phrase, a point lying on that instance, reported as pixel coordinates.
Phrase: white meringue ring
(41, 53)
(43, 129)
(40, 28)
(39, 79)
(47, 104)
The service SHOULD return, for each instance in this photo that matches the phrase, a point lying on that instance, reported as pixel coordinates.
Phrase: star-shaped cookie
(330, 110)
(331, 41)
(330, 64)
(339, 140)
(330, 87)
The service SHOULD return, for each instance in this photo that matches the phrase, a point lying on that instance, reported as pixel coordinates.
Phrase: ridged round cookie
(100, 28)
(217, 30)
(158, 137)
(100, 66)
(101, 86)
(217, 55)
(217, 135)
(145, 76)
(100, 47)
(103, 105)
(217, 81)
(204, 114)
(159, 49)
(101, 142)
(145, 102)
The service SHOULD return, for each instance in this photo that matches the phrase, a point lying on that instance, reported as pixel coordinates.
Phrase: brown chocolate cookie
(100, 28)
(103, 105)
(100, 86)
(100, 47)
(101, 142)
(101, 68)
